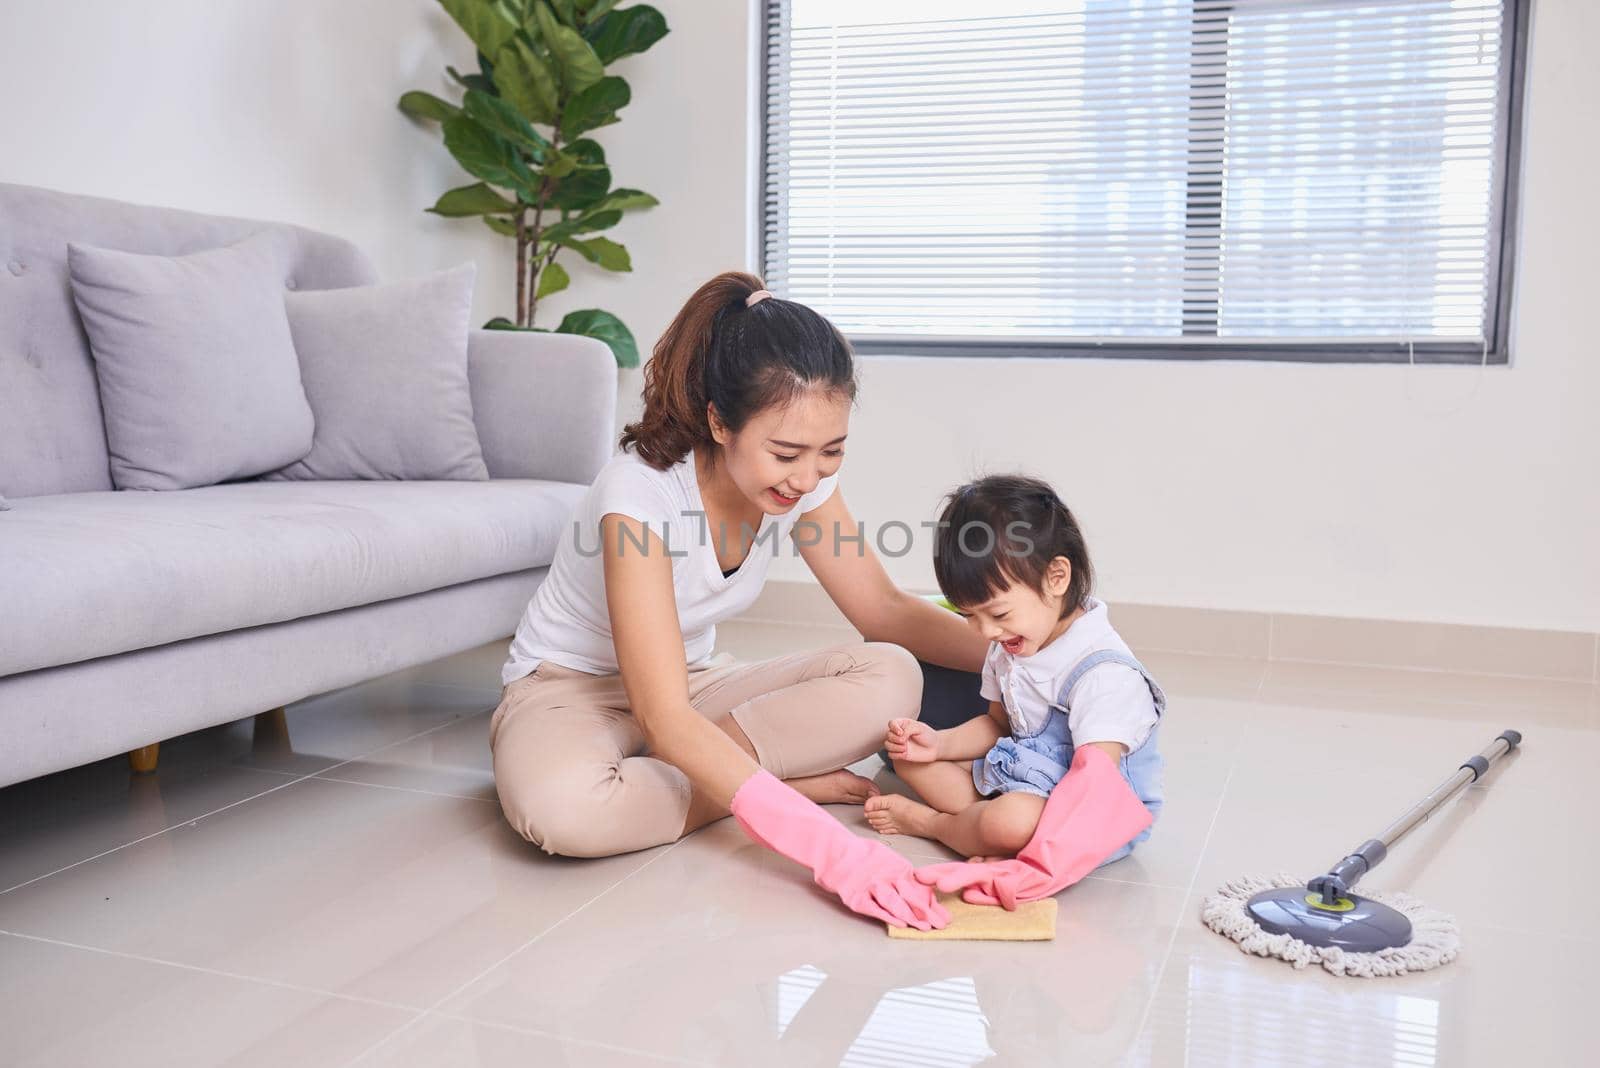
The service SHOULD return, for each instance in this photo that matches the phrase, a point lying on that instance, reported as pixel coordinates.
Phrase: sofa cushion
(385, 370)
(52, 439)
(197, 370)
(92, 574)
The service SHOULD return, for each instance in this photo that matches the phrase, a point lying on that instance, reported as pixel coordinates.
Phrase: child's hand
(912, 740)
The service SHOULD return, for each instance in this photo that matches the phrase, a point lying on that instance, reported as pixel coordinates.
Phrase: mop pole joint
(1337, 881)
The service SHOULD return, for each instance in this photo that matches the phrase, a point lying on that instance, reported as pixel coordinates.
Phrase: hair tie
(756, 298)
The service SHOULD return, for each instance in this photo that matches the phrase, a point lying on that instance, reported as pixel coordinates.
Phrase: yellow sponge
(1034, 921)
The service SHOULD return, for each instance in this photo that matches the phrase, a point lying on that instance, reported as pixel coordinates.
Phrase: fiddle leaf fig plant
(519, 129)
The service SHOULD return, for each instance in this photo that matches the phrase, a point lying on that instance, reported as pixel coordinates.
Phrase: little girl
(1011, 559)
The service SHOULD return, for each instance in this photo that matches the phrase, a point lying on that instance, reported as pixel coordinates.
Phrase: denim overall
(1035, 763)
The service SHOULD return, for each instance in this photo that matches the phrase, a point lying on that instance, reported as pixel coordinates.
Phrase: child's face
(1021, 618)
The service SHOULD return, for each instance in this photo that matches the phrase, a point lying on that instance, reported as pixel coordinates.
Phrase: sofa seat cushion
(86, 575)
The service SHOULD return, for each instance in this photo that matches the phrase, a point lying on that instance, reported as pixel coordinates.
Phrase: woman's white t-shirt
(567, 622)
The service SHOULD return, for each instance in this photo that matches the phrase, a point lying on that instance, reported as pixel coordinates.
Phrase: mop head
(1435, 937)
(1033, 921)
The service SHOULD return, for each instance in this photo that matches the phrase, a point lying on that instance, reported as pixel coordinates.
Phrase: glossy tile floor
(345, 892)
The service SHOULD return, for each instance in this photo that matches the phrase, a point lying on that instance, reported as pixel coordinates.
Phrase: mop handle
(1342, 876)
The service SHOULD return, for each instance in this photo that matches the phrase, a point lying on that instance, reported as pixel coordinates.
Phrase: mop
(1323, 922)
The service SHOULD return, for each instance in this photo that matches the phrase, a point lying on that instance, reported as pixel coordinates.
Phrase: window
(1274, 179)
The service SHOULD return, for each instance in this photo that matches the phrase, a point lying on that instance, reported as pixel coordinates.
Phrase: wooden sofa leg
(143, 759)
(270, 733)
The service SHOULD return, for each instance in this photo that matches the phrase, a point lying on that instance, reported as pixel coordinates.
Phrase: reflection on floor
(343, 890)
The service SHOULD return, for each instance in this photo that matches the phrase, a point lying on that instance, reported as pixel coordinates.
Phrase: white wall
(285, 109)
(1440, 494)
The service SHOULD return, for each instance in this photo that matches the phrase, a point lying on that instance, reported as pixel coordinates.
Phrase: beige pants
(570, 763)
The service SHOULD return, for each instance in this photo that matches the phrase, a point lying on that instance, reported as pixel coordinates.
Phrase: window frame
(1502, 239)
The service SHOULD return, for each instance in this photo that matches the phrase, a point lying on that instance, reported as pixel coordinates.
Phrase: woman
(617, 730)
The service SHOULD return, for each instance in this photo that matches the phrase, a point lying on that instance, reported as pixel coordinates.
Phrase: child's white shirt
(1112, 703)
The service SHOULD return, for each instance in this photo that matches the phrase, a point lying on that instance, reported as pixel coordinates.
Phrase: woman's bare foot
(842, 787)
(893, 814)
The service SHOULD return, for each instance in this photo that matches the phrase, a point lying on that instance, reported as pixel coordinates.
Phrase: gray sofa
(131, 617)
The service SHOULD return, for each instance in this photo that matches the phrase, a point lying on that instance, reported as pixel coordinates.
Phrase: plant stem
(522, 260)
(533, 267)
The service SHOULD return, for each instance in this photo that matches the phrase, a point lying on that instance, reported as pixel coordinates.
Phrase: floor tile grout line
(433, 1009)
(536, 1032)
(219, 811)
(320, 777)
(1370, 665)
(260, 980)
(1172, 941)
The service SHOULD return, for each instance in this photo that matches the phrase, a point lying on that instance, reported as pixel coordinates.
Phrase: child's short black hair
(1004, 529)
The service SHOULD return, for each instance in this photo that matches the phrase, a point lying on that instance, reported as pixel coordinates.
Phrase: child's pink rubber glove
(868, 876)
(1090, 815)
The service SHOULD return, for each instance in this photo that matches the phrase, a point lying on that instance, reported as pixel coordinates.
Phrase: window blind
(1300, 178)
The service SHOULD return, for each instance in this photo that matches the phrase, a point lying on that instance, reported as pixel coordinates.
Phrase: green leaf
(625, 32)
(420, 105)
(582, 190)
(601, 251)
(486, 22)
(580, 67)
(560, 166)
(471, 81)
(553, 279)
(502, 118)
(589, 10)
(476, 199)
(500, 226)
(592, 322)
(628, 199)
(525, 79)
(500, 322)
(595, 106)
(566, 10)
(600, 220)
(588, 152)
(484, 154)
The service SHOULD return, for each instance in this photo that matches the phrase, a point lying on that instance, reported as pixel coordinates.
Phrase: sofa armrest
(545, 404)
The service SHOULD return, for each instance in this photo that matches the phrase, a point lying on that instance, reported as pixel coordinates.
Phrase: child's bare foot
(842, 787)
(893, 814)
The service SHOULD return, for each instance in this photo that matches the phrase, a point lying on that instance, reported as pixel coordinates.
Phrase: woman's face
(782, 453)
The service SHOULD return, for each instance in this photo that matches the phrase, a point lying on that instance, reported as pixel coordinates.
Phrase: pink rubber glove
(1090, 815)
(868, 876)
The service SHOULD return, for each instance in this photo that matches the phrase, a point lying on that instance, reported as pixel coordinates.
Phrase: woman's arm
(856, 581)
(976, 736)
(868, 876)
(649, 644)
